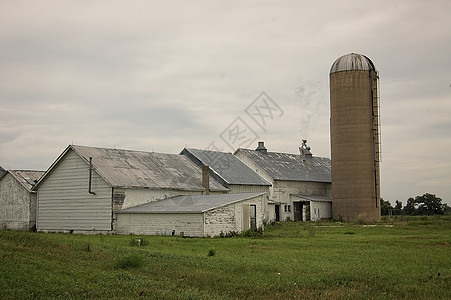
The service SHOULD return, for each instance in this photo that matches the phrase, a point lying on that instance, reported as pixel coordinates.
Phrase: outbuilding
(17, 199)
(194, 215)
(295, 179)
(86, 186)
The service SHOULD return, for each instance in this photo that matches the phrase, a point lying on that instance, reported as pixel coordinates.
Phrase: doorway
(277, 210)
(297, 207)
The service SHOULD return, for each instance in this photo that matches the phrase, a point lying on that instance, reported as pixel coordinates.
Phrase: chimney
(261, 148)
(305, 151)
(206, 178)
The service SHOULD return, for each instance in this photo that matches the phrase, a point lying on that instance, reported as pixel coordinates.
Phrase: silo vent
(261, 148)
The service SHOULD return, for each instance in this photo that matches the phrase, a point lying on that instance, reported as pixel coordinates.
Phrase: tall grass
(396, 259)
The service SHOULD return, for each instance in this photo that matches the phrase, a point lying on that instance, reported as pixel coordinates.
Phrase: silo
(355, 138)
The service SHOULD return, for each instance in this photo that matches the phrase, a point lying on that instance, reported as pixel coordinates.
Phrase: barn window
(287, 208)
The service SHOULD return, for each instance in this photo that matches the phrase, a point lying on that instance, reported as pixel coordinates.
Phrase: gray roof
(27, 178)
(314, 198)
(226, 167)
(189, 203)
(352, 62)
(285, 166)
(128, 169)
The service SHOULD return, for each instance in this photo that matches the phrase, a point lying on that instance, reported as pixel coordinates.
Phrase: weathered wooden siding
(65, 204)
(230, 217)
(160, 224)
(15, 205)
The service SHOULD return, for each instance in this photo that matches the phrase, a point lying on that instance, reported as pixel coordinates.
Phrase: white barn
(194, 216)
(17, 200)
(86, 186)
(301, 183)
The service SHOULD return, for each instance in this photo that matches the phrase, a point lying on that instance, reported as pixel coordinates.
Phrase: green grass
(400, 258)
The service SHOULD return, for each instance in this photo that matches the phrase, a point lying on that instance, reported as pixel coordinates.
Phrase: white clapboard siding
(244, 188)
(64, 202)
(14, 204)
(191, 224)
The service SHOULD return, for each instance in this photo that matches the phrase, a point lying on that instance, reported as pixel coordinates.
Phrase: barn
(229, 171)
(86, 186)
(17, 199)
(194, 215)
(297, 182)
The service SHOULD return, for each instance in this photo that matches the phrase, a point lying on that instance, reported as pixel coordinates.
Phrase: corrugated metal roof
(27, 178)
(314, 198)
(285, 166)
(227, 167)
(352, 62)
(189, 203)
(127, 168)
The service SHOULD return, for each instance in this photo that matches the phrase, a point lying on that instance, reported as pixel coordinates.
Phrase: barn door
(277, 211)
(297, 206)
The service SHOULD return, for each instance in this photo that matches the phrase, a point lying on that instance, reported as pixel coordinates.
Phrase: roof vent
(261, 148)
(305, 151)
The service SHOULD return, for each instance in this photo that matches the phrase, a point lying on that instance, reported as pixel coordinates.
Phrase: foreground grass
(396, 259)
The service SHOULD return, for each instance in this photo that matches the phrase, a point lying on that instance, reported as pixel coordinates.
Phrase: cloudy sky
(163, 75)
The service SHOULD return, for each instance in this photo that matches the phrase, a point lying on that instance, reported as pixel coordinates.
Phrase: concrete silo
(355, 138)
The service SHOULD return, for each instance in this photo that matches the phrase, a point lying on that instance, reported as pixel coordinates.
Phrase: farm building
(229, 171)
(194, 215)
(301, 183)
(86, 186)
(17, 200)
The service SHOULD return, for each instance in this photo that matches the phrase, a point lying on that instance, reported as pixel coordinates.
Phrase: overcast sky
(163, 75)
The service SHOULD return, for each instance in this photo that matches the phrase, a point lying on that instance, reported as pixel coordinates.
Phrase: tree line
(426, 204)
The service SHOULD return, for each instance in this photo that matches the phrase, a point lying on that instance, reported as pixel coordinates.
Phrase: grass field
(402, 258)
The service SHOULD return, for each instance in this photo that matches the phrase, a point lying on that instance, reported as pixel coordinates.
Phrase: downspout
(90, 176)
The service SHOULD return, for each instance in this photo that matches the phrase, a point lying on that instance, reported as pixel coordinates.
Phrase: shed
(289, 174)
(194, 215)
(85, 187)
(17, 200)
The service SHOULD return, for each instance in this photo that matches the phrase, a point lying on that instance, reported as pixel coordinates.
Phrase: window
(287, 208)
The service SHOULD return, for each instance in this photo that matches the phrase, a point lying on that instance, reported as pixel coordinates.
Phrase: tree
(409, 209)
(385, 207)
(427, 204)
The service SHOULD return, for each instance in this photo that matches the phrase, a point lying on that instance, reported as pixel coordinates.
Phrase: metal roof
(314, 198)
(352, 62)
(292, 167)
(226, 167)
(27, 178)
(189, 203)
(128, 169)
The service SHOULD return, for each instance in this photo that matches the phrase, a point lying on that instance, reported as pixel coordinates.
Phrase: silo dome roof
(352, 62)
